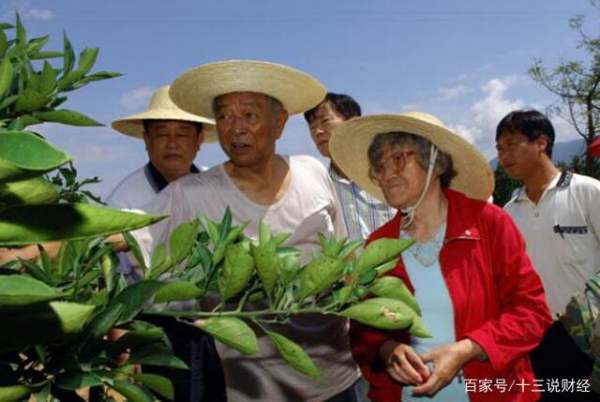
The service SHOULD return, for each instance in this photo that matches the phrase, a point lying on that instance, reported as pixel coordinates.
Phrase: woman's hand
(447, 361)
(403, 363)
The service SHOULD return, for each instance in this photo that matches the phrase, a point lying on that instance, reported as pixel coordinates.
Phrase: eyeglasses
(396, 161)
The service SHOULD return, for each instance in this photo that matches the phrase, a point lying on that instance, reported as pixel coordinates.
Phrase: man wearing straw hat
(172, 138)
(251, 101)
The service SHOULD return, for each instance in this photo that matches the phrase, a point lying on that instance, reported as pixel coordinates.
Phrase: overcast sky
(465, 61)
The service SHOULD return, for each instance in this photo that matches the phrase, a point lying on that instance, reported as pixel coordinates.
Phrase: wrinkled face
(324, 121)
(248, 127)
(172, 145)
(518, 156)
(399, 175)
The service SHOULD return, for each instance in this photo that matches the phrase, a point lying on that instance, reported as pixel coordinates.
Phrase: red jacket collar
(461, 222)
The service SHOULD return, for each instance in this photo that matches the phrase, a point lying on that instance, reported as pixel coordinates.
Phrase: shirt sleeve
(173, 203)
(524, 315)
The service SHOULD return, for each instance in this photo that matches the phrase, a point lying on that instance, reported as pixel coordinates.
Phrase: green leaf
(69, 254)
(394, 288)
(159, 384)
(225, 225)
(380, 251)
(174, 291)
(47, 79)
(32, 191)
(41, 323)
(232, 332)
(382, 313)
(68, 117)
(42, 223)
(211, 229)
(45, 55)
(37, 272)
(74, 381)
(87, 59)
(182, 240)
(134, 296)
(99, 76)
(21, 37)
(30, 100)
(159, 262)
(318, 275)
(135, 339)
(157, 355)
(7, 101)
(268, 264)
(15, 393)
(3, 43)
(19, 290)
(132, 392)
(134, 248)
(6, 76)
(24, 154)
(264, 233)
(237, 271)
(69, 55)
(294, 355)
(35, 44)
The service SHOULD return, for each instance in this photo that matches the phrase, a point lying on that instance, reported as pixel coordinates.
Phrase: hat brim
(195, 90)
(350, 142)
(134, 125)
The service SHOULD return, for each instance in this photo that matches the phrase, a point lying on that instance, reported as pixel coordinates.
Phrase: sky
(464, 61)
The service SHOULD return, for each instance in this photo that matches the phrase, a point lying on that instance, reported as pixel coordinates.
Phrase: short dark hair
(531, 123)
(342, 103)
(199, 126)
(443, 162)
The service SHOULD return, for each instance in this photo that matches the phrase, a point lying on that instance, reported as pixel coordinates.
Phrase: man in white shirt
(362, 212)
(251, 101)
(559, 216)
(173, 138)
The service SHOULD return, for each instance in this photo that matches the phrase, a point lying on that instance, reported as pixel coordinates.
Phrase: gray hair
(443, 163)
(276, 105)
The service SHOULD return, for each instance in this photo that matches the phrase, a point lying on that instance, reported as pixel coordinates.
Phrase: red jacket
(498, 300)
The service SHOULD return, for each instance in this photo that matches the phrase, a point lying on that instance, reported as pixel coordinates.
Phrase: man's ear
(543, 143)
(146, 138)
(280, 121)
(201, 137)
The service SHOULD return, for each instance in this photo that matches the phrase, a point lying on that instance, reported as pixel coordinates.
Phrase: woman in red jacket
(480, 297)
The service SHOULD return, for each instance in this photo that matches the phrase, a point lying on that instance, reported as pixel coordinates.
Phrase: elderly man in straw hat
(251, 101)
(480, 297)
(172, 138)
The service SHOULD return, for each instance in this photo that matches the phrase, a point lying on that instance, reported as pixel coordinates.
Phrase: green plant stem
(241, 314)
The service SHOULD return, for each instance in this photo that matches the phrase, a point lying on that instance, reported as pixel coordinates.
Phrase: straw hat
(350, 142)
(594, 148)
(161, 107)
(195, 90)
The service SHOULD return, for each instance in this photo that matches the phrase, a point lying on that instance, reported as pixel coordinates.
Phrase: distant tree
(578, 165)
(504, 186)
(577, 84)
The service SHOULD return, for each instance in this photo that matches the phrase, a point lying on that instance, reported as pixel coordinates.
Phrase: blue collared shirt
(362, 212)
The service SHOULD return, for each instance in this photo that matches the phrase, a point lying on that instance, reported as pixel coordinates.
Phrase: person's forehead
(245, 98)
(167, 122)
(511, 135)
(324, 109)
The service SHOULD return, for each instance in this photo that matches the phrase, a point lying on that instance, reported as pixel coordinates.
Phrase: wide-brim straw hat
(594, 148)
(195, 90)
(350, 142)
(161, 107)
